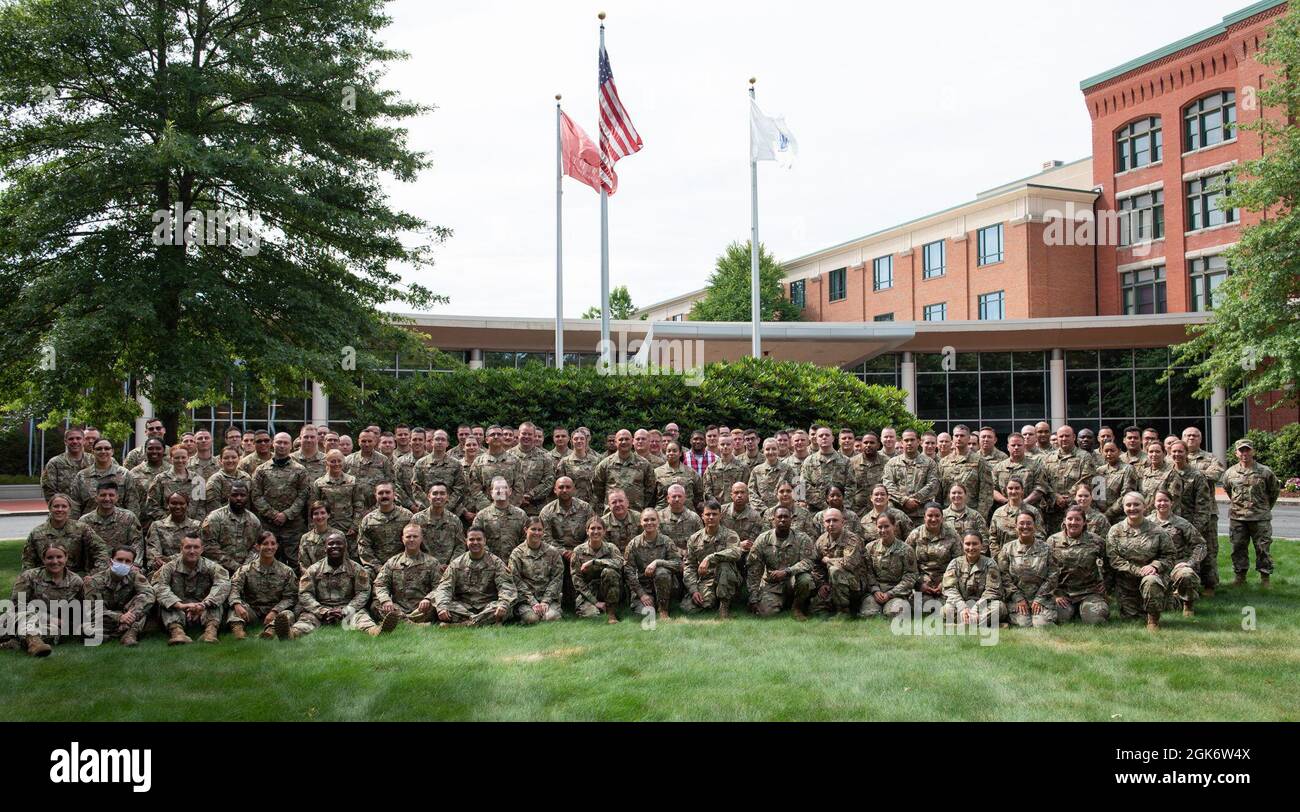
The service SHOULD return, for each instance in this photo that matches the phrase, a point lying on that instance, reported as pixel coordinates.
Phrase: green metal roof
(1185, 42)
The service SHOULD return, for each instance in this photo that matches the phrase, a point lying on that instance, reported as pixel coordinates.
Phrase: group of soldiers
(290, 534)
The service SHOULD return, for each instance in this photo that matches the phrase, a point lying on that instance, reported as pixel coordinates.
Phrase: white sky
(899, 110)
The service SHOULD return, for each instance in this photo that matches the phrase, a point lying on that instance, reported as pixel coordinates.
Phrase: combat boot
(237, 631)
(1239, 580)
(662, 602)
(1263, 580)
(724, 611)
(610, 615)
(37, 647)
(282, 626)
(390, 622)
(129, 638)
(178, 636)
(210, 633)
(1188, 611)
(799, 614)
(1153, 621)
(1208, 592)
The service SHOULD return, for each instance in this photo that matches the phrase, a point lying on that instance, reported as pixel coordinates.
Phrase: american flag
(618, 138)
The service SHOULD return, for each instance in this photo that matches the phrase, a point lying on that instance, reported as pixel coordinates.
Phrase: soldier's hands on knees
(424, 606)
(444, 616)
(1022, 607)
(499, 612)
(881, 597)
(697, 598)
(1063, 603)
(650, 572)
(648, 601)
(777, 575)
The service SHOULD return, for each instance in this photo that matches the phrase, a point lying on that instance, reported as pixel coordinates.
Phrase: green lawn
(1206, 668)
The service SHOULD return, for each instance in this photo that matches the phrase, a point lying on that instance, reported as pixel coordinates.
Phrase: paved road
(1286, 523)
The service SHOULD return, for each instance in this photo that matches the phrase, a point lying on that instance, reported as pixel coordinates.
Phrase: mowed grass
(1206, 668)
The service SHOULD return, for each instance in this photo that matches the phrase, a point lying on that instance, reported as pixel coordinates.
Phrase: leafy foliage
(620, 305)
(728, 296)
(118, 112)
(763, 394)
(1278, 450)
(1252, 343)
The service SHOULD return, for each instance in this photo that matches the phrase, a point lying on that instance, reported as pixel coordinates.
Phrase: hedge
(763, 395)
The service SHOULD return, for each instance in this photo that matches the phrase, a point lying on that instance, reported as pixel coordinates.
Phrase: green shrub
(760, 394)
(1278, 450)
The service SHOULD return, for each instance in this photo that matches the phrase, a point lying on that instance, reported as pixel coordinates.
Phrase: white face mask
(119, 569)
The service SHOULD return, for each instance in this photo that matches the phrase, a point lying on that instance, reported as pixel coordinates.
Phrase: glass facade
(1003, 390)
(883, 370)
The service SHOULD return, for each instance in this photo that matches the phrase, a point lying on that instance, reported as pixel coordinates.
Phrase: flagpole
(604, 237)
(755, 313)
(559, 241)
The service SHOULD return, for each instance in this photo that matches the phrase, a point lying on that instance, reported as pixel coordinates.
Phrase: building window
(990, 244)
(993, 306)
(882, 370)
(797, 295)
(882, 273)
(1143, 291)
(1205, 199)
(1210, 120)
(936, 312)
(1142, 217)
(1138, 144)
(934, 260)
(884, 317)
(678, 317)
(1206, 274)
(1002, 390)
(838, 286)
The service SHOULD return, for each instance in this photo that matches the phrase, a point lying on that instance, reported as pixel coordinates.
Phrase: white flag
(769, 138)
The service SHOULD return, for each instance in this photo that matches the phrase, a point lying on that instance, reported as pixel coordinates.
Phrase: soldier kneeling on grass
(538, 570)
(35, 592)
(126, 595)
(263, 591)
(477, 588)
(406, 581)
(334, 590)
(191, 591)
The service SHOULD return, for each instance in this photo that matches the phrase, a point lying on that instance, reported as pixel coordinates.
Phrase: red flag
(581, 157)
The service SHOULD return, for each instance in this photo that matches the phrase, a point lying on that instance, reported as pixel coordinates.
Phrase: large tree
(1252, 341)
(122, 112)
(727, 297)
(620, 305)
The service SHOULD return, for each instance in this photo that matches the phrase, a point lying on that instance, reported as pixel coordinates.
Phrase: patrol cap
(1244, 443)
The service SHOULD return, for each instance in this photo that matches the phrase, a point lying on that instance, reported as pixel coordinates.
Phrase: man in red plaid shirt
(699, 457)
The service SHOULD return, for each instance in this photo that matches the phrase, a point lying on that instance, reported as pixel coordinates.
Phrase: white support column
(320, 405)
(908, 373)
(475, 359)
(1219, 424)
(146, 414)
(1057, 388)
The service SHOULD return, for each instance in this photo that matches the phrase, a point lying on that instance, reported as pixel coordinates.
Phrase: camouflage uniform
(119, 528)
(249, 463)
(1252, 493)
(39, 590)
(603, 582)
(449, 472)
(1096, 522)
(1189, 552)
(838, 562)
(379, 537)
(1166, 478)
(933, 553)
(852, 522)
(890, 570)
(1029, 574)
(536, 479)
(1029, 471)
(369, 472)
(229, 538)
(977, 586)
(821, 473)
(444, 536)
(770, 553)
(208, 583)
(347, 501)
(539, 578)
(142, 476)
(86, 484)
(620, 532)
(205, 468)
(721, 552)
(763, 481)
(917, 478)
(869, 531)
(1080, 577)
(1200, 509)
(217, 489)
(504, 529)
(748, 524)
(867, 474)
(473, 590)
(1128, 550)
(86, 551)
(131, 593)
(405, 580)
(994, 456)
(163, 542)
(968, 521)
(1064, 473)
(1212, 470)
(800, 519)
(667, 581)
(282, 487)
(565, 528)
(1002, 527)
(633, 476)
(679, 526)
(60, 472)
(1135, 459)
(315, 466)
(345, 587)
(136, 456)
(683, 475)
(263, 590)
(582, 470)
(311, 548)
(971, 472)
(1117, 480)
(167, 483)
(486, 467)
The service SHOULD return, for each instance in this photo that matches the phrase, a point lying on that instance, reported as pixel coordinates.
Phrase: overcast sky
(899, 109)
